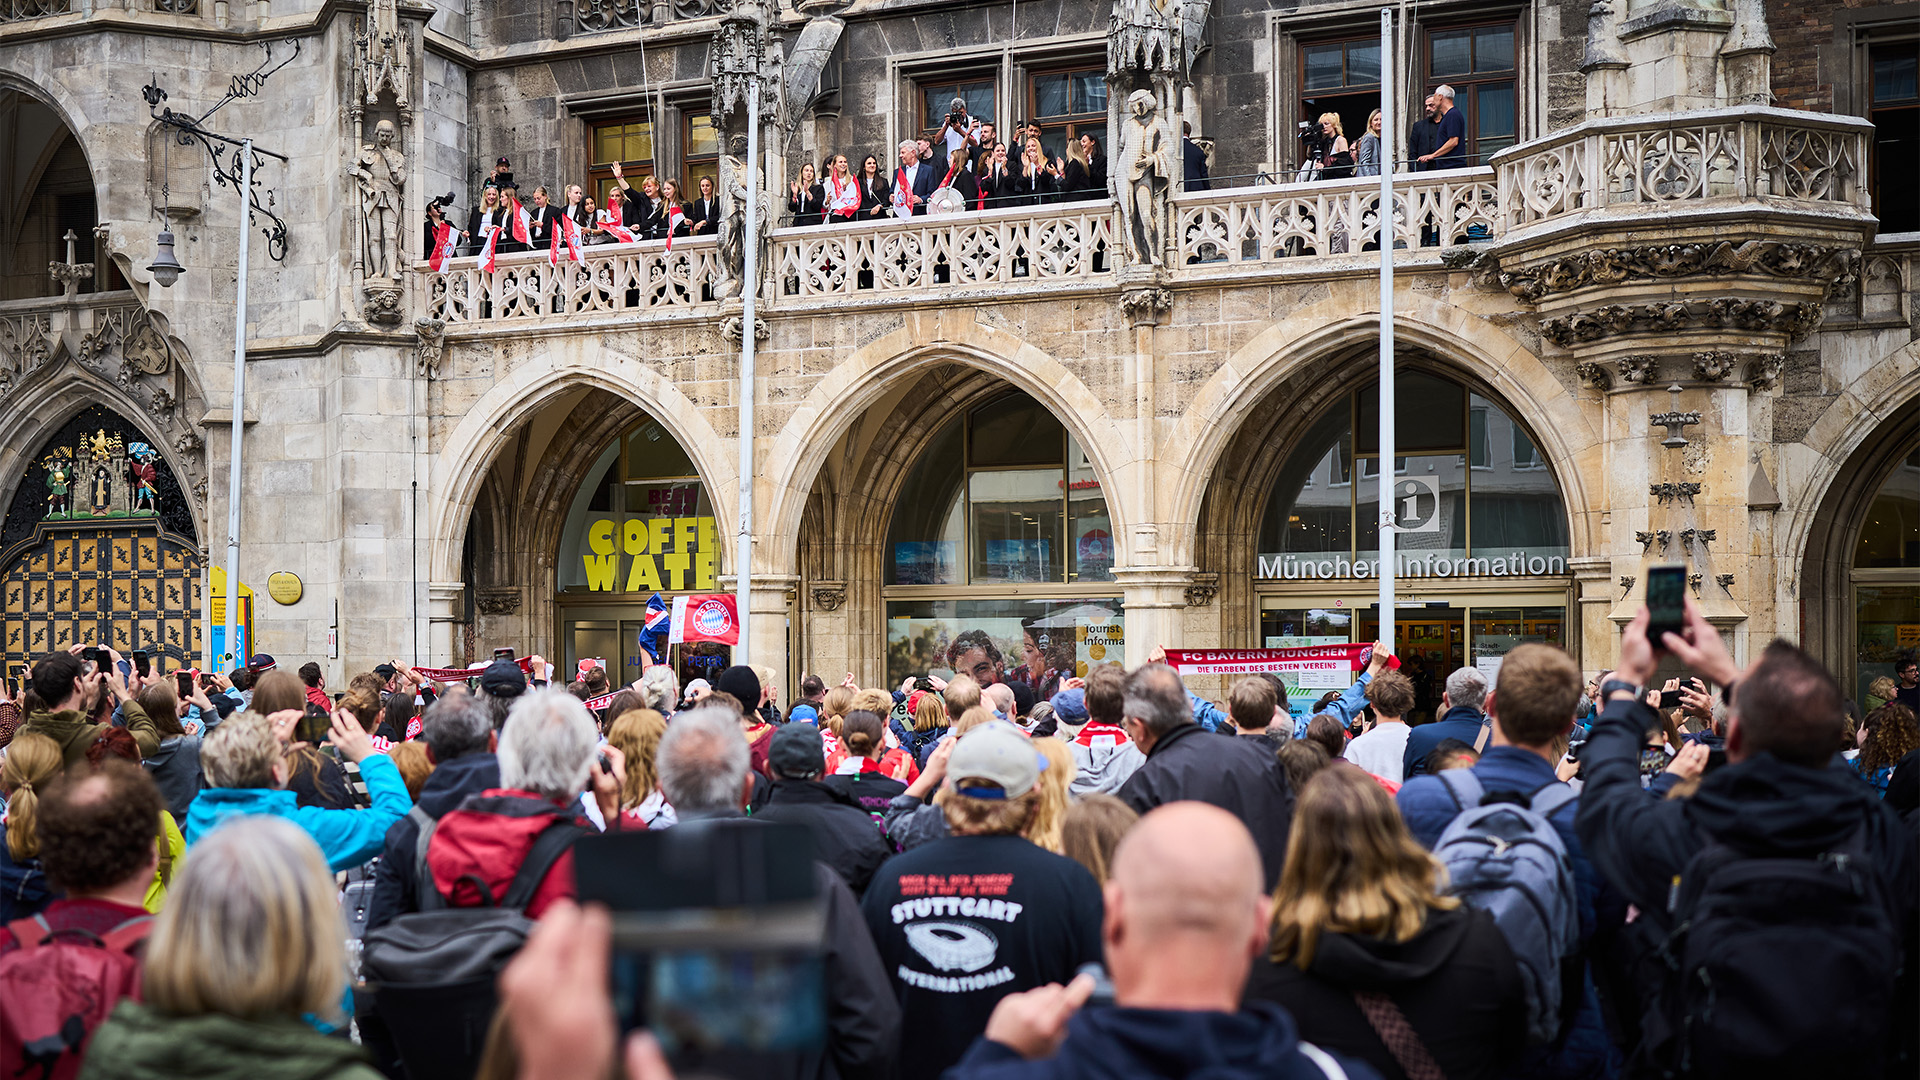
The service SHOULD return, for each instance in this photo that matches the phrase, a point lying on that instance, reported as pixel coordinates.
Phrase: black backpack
(1777, 966)
(431, 973)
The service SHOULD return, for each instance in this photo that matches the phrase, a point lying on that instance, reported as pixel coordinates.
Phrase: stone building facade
(1080, 429)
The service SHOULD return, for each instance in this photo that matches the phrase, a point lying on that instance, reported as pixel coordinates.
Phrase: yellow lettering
(677, 566)
(644, 576)
(659, 527)
(636, 536)
(600, 570)
(709, 535)
(703, 569)
(683, 530)
(600, 536)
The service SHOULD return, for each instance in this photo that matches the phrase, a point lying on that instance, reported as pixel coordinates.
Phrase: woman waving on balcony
(805, 198)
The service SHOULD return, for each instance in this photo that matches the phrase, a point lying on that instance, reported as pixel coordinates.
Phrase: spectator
(1093, 827)
(1369, 152)
(1890, 736)
(1424, 135)
(953, 951)
(1103, 756)
(703, 768)
(98, 834)
(870, 774)
(415, 766)
(1182, 763)
(1049, 818)
(1096, 165)
(744, 685)
(1450, 132)
(1772, 812)
(1370, 959)
(1460, 718)
(247, 774)
(1382, 751)
(1907, 690)
(399, 719)
(1327, 731)
(1337, 163)
(813, 689)
(637, 734)
(460, 740)
(32, 765)
(1185, 917)
(1302, 760)
(316, 685)
(844, 835)
(72, 695)
(1193, 158)
(930, 721)
(660, 689)
(1539, 687)
(806, 199)
(501, 684)
(249, 947)
(175, 766)
(1252, 703)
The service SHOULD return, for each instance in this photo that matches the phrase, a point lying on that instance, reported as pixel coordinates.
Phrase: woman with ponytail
(33, 760)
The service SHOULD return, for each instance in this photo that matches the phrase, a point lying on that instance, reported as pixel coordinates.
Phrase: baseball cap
(796, 752)
(1070, 706)
(997, 752)
(259, 663)
(385, 671)
(503, 678)
(806, 713)
(695, 684)
(502, 160)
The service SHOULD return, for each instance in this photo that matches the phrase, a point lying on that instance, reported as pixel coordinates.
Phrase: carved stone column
(1155, 599)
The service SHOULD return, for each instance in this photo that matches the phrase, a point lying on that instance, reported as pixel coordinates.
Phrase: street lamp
(165, 268)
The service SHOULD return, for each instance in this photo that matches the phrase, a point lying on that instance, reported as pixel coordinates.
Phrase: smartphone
(503, 654)
(91, 655)
(1670, 699)
(183, 681)
(1716, 757)
(716, 939)
(1666, 601)
(141, 665)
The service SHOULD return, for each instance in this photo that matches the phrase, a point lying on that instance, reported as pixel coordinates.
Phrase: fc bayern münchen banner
(704, 618)
(1329, 667)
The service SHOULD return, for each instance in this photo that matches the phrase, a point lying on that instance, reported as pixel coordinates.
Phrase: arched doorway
(99, 546)
(48, 192)
(1482, 558)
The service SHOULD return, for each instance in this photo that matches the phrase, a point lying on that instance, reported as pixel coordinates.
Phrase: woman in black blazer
(875, 196)
(806, 199)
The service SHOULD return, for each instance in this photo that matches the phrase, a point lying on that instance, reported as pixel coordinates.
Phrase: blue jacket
(346, 837)
(1259, 1042)
(1586, 1050)
(1461, 722)
(1344, 708)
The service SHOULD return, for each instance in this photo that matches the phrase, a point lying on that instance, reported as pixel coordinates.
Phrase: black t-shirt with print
(965, 921)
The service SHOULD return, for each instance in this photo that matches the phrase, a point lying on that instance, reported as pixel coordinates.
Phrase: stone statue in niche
(1144, 163)
(733, 221)
(380, 171)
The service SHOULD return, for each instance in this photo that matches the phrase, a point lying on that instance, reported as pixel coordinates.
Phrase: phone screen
(141, 665)
(91, 655)
(1670, 699)
(184, 681)
(503, 654)
(1666, 601)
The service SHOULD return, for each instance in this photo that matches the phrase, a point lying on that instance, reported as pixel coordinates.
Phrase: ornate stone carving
(1144, 306)
(1626, 585)
(1204, 588)
(189, 443)
(595, 16)
(430, 341)
(497, 601)
(162, 403)
(1714, 365)
(1667, 493)
(1725, 581)
(730, 329)
(380, 173)
(1144, 168)
(26, 342)
(1608, 266)
(1639, 370)
(383, 56)
(1763, 371)
(829, 595)
(1594, 375)
(383, 306)
(1705, 536)
(732, 248)
(70, 274)
(1795, 320)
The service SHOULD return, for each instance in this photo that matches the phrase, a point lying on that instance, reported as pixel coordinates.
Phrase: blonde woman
(33, 761)
(1367, 154)
(636, 733)
(1049, 818)
(251, 943)
(835, 704)
(1358, 916)
(1092, 829)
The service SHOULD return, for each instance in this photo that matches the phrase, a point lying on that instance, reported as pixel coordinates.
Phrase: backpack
(1777, 966)
(1504, 857)
(56, 990)
(432, 972)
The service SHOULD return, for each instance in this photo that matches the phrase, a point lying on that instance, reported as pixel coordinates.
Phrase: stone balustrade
(1745, 160)
(21, 11)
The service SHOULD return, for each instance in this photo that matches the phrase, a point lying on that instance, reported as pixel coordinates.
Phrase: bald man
(1185, 917)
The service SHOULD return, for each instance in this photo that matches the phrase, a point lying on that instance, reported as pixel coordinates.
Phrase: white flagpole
(1387, 235)
(743, 549)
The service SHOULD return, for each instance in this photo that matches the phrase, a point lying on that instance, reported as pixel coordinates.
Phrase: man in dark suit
(1193, 161)
(1424, 136)
(703, 213)
(917, 174)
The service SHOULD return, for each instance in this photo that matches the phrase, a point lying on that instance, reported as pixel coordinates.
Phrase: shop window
(1886, 569)
(629, 142)
(1894, 107)
(1339, 77)
(1505, 510)
(643, 525)
(1478, 62)
(700, 146)
(1004, 503)
(937, 97)
(1066, 105)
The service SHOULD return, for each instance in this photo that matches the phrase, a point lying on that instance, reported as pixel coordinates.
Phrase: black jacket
(1233, 774)
(845, 837)
(445, 789)
(1194, 165)
(703, 217)
(1000, 189)
(808, 206)
(1456, 982)
(876, 198)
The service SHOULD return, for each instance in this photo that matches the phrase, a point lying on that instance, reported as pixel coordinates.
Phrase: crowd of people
(1437, 140)
(234, 875)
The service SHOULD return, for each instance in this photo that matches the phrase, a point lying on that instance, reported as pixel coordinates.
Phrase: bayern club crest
(712, 619)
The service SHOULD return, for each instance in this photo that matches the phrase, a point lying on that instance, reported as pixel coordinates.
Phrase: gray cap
(796, 752)
(999, 752)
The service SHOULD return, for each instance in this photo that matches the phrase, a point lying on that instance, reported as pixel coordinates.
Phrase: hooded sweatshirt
(75, 733)
(1456, 982)
(139, 1043)
(1104, 757)
(175, 768)
(1257, 1043)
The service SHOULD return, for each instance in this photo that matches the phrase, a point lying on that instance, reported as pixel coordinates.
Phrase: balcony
(1759, 168)
(24, 16)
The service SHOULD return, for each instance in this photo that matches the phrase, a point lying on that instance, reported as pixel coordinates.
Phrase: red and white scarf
(674, 217)
(612, 227)
(442, 247)
(846, 197)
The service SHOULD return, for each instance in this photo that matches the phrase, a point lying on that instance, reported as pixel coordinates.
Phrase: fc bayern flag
(486, 253)
(705, 618)
(442, 247)
(674, 217)
(654, 631)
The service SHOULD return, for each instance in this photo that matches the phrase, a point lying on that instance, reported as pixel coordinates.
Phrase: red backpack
(57, 988)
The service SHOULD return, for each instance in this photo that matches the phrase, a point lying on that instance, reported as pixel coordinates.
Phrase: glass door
(1431, 643)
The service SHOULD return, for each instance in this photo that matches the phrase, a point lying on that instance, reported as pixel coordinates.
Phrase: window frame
(949, 85)
(1873, 109)
(692, 165)
(1467, 86)
(1075, 124)
(600, 173)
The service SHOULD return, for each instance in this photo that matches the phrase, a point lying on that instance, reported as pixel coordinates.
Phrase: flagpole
(743, 549)
(1388, 233)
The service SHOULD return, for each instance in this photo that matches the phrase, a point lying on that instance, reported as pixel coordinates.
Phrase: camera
(440, 201)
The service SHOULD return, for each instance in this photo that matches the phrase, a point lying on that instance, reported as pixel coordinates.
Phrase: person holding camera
(1335, 159)
(958, 131)
(74, 691)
